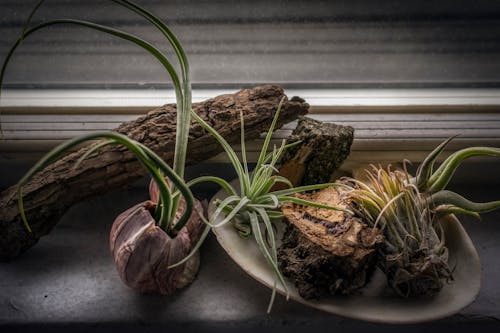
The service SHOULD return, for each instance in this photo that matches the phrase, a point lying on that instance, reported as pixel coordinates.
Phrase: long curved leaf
(263, 151)
(217, 180)
(425, 169)
(115, 32)
(440, 179)
(244, 185)
(312, 204)
(58, 151)
(446, 197)
(178, 182)
(254, 221)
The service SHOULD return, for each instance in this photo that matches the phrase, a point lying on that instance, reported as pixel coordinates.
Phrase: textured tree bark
(56, 188)
(326, 252)
(323, 251)
(322, 149)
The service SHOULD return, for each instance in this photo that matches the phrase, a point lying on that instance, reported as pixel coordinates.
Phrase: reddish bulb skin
(142, 251)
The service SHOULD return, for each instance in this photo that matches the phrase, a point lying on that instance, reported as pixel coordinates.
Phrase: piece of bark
(326, 252)
(323, 251)
(56, 188)
(323, 148)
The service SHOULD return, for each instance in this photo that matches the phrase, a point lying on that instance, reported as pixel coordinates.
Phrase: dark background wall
(295, 43)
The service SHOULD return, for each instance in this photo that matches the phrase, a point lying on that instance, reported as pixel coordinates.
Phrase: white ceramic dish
(374, 302)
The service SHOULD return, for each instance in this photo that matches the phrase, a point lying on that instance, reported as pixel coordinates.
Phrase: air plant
(253, 207)
(144, 240)
(150, 242)
(150, 237)
(408, 210)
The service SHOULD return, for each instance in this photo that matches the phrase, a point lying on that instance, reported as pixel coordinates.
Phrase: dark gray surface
(294, 43)
(68, 282)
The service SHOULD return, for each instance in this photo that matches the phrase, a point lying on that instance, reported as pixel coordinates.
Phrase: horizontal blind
(317, 43)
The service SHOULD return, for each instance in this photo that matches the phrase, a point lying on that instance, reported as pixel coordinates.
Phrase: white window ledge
(390, 124)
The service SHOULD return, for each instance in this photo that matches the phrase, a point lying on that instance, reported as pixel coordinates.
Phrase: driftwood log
(56, 188)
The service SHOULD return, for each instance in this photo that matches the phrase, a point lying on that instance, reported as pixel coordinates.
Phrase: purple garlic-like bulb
(142, 251)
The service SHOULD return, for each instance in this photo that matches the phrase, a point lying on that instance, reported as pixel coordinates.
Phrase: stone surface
(68, 282)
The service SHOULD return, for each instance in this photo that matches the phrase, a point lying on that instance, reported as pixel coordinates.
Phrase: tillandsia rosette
(253, 208)
(408, 209)
(150, 242)
(148, 238)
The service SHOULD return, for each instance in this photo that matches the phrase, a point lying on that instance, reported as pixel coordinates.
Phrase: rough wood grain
(56, 188)
(326, 252)
(323, 251)
(323, 148)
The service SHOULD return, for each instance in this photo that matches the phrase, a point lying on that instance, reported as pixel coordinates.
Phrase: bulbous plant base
(317, 272)
(424, 275)
(142, 251)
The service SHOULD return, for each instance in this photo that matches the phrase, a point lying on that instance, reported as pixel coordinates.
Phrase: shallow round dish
(375, 302)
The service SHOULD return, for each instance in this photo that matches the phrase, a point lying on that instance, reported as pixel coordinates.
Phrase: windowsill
(68, 281)
(390, 124)
(41, 289)
(318, 98)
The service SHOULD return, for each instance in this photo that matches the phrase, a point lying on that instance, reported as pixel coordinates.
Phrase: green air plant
(408, 210)
(148, 238)
(253, 207)
(155, 243)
